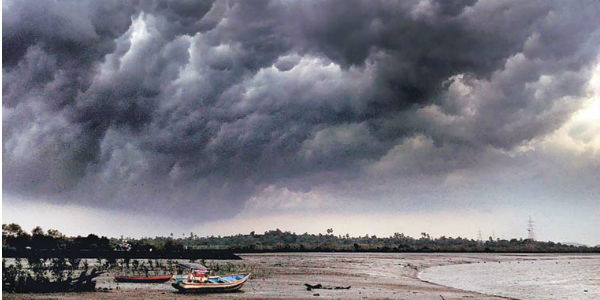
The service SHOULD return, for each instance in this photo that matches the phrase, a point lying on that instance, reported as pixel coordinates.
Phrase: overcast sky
(365, 116)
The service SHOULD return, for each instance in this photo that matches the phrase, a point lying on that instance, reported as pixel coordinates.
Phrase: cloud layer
(162, 106)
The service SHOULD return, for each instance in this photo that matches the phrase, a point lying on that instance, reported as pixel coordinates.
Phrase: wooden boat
(139, 279)
(212, 284)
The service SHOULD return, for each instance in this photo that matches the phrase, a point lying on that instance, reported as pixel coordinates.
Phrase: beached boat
(139, 279)
(212, 284)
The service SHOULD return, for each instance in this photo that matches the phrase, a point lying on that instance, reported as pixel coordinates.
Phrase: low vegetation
(41, 275)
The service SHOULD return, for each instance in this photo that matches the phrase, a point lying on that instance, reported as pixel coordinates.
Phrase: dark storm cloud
(171, 103)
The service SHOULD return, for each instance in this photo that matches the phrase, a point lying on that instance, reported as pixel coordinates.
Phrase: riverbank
(284, 275)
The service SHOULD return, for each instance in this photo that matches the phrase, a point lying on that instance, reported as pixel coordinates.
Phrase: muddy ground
(283, 276)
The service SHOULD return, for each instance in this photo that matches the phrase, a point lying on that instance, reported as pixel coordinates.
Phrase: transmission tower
(530, 233)
(479, 237)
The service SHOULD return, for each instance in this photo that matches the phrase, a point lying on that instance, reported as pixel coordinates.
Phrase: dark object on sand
(310, 287)
(147, 279)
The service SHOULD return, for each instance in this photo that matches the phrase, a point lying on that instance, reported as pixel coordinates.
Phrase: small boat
(212, 284)
(147, 279)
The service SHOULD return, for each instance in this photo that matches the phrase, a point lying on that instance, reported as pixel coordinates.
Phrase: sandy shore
(282, 276)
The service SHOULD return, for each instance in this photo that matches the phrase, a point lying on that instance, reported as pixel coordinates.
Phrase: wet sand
(282, 276)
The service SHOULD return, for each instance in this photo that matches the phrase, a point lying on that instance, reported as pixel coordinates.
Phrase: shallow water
(556, 278)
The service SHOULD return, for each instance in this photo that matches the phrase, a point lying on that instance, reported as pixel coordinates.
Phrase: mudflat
(284, 275)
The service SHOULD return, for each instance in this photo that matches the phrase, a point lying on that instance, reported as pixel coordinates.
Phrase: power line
(530, 233)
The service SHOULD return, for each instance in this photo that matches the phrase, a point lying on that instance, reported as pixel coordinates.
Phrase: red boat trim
(144, 278)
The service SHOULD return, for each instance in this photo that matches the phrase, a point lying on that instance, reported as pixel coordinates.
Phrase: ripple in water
(561, 278)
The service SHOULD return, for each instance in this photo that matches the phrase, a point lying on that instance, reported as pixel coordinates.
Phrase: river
(559, 277)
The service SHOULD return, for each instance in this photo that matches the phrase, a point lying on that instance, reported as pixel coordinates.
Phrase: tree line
(286, 241)
(280, 241)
